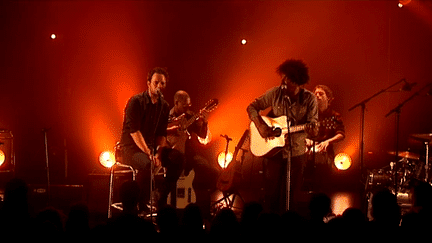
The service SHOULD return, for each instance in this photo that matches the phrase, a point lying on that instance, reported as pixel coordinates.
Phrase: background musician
(321, 147)
(189, 140)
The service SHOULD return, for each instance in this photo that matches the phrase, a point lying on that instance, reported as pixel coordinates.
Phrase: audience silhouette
(254, 223)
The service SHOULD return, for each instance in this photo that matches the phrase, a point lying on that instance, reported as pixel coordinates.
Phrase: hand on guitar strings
(269, 132)
(312, 129)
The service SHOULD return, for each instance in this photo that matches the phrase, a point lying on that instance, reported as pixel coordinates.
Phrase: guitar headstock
(211, 105)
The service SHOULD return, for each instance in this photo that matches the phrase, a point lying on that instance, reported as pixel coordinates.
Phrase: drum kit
(402, 175)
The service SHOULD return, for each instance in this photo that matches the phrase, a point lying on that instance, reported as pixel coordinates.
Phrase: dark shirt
(330, 125)
(302, 110)
(142, 115)
(192, 145)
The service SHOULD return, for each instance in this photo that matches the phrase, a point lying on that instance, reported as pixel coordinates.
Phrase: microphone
(46, 129)
(160, 93)
(284, 89)
(407, 86)
(226, 137)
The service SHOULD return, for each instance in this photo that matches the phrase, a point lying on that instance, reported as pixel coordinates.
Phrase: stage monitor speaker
(6, 151)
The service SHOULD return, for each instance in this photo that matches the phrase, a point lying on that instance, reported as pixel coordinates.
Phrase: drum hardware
(426, 138)
(404, 170)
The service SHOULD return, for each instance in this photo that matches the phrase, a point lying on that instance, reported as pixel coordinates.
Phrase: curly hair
(295, 70)
(159, 70)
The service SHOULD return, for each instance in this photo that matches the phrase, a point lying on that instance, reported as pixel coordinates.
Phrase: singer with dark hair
(299, 105)
(143, 138)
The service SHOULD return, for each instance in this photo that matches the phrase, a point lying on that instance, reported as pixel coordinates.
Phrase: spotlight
(342, 161)
(243, 41)
(53, 36)
(107, 159)
(224, 162)
(2, 157)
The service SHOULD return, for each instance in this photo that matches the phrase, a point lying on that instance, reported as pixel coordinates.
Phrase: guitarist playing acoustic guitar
(283, 171)
(185, 130)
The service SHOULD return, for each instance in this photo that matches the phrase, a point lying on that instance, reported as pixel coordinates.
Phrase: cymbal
(406, 154)
(422, 137)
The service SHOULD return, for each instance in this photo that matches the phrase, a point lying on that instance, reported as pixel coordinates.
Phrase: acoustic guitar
(260, 146)
(178, 140)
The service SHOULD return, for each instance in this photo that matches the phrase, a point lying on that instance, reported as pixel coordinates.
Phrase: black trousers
(172, 160)
(275, 184)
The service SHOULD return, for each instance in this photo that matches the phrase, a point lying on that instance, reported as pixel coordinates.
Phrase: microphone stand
(362, 104)
(45, 131)
(288, 169)
(154, 151)
(397, 110)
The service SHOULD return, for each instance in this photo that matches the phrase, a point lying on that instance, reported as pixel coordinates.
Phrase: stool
(129, 169)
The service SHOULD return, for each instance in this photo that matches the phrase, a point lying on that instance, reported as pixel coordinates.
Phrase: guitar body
(261, 146)
(184, 190)
(178, 139)
(226, 179)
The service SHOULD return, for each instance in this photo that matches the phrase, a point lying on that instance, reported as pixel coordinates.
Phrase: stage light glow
(340, 202)
(342, 161)
(243, 41)
(221, 159)
(2, 157)
(107, 159)
(53, 36)
(403, 3)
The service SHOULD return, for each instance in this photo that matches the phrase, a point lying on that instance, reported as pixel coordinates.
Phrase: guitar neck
(191, 120)
(294, 129)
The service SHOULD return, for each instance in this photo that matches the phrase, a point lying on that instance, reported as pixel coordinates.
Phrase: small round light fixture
(342, 161)
(107, 159)
(224, 160)
(2, 157)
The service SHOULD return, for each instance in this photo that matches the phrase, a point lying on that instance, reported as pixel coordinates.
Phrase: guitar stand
(230, 195)
(227, 201)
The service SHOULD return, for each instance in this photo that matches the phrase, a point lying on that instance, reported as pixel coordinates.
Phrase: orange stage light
(2, 157)
(107, 159)
(224, 160)
(342, 161)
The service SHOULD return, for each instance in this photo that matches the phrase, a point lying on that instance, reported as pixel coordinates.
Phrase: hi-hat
(406, 154)
(422, 136)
